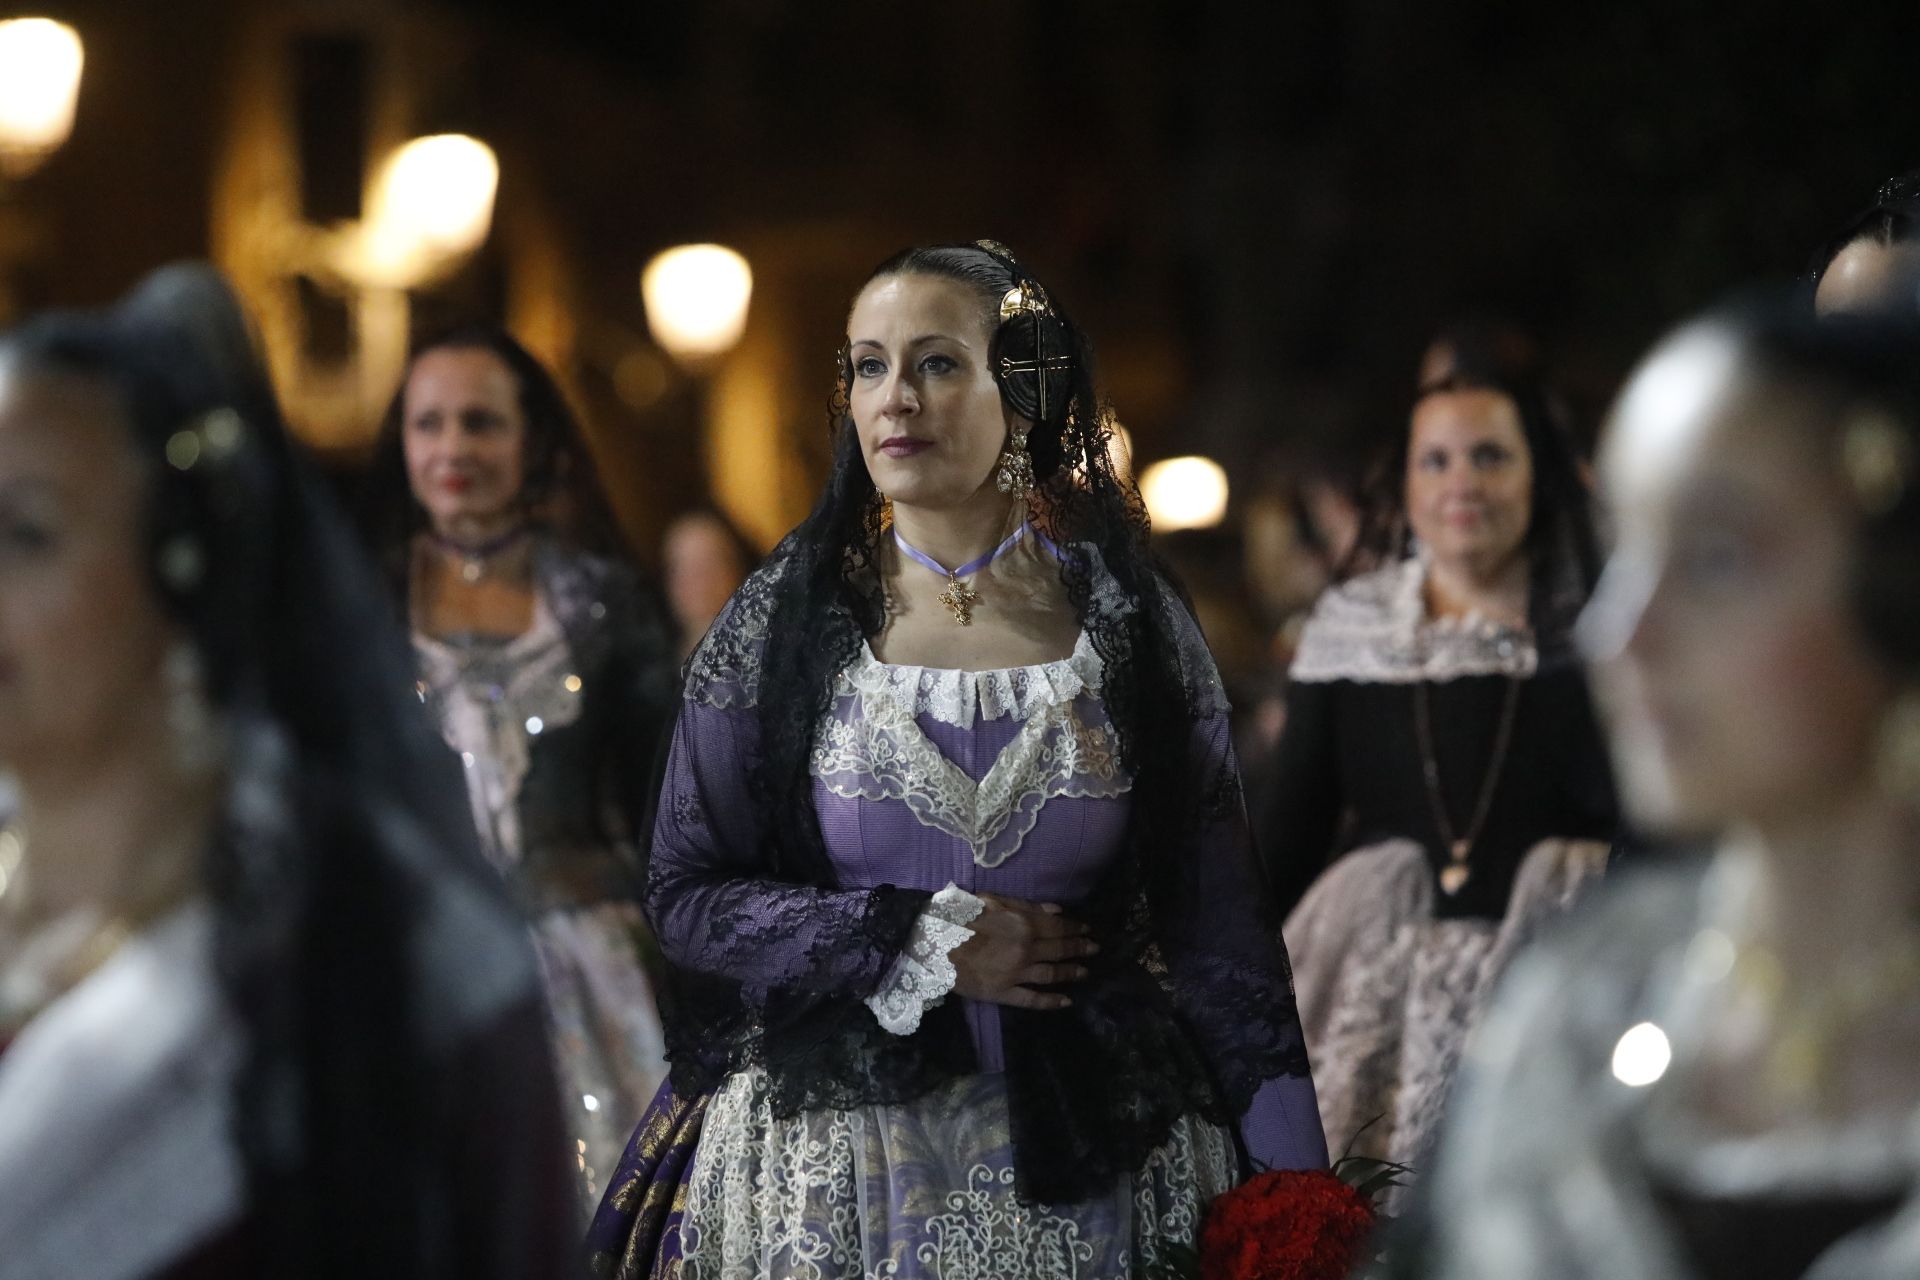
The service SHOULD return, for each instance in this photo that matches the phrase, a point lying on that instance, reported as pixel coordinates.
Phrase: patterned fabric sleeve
(712, 905)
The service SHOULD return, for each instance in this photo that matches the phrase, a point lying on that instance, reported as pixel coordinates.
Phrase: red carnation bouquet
(1289, 1224)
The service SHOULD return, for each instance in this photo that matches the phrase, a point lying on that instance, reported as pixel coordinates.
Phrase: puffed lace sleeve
(923, 976)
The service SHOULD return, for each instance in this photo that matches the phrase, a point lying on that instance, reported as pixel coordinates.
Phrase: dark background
(1259, 210)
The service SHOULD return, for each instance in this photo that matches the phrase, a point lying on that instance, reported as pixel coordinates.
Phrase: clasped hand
(1018, 946)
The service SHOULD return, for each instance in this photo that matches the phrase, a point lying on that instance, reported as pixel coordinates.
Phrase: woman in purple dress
(974, 975)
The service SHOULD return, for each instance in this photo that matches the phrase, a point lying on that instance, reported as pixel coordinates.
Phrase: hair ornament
(1026, 298)
(213, 437)
(1033, 362)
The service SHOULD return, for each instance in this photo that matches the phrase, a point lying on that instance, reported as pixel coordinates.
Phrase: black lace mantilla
(1190, 1005)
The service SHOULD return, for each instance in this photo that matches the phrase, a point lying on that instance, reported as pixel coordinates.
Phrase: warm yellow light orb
(1184, 493)
(431, 204)
(696, 298)
(40, 62)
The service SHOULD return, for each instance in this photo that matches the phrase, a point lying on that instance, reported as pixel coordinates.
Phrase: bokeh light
(1184, 493)
(40, 62)
(696, 297)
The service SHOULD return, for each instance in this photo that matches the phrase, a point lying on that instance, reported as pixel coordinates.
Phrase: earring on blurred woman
(1014, 475)
(191, 725)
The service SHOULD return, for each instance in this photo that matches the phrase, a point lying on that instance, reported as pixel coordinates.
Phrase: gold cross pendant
(960, 598)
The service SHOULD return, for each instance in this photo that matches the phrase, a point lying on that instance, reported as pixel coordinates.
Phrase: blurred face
(465, 440)
(929, 415)
(1469, 480)
(82, 634)
(1867, 277)
(1736, 686)
(703, 571)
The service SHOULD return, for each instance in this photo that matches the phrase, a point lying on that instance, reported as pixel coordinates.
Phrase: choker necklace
(959, 597)
(473, 559)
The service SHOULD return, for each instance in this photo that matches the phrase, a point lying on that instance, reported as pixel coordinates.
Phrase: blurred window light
(1184, 493)
(1641, 1056)
(431, 205)
(696, 299)
(40, 62)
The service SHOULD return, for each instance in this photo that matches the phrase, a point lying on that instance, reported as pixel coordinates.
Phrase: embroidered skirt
(609, 1052)
(915, 1191)
(1388, 992)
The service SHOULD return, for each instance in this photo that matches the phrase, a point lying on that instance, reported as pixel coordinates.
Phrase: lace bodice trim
(725, 669)
(871, 745)
(490, 703)
(957, 698)
(1375, 629)
(923, 976)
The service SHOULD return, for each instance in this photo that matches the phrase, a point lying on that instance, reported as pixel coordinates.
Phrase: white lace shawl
(1375, 628)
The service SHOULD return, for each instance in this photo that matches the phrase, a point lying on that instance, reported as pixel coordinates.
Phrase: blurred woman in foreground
(1713, 1075)
(261, 1011)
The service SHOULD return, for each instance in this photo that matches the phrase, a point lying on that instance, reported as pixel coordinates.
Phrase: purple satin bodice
(874, 842)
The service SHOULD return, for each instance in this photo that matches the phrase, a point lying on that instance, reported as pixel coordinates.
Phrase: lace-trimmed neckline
(1375, 628)
(956, 697)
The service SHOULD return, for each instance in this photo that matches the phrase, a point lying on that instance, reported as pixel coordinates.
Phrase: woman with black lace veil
(262, 1011)
(1440, 749)
(973, 974)
(548, 664)
(1711, 1074)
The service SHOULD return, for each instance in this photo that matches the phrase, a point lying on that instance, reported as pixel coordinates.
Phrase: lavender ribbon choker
(959, 597)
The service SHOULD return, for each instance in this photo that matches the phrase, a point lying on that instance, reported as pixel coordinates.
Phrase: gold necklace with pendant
(1458, 868)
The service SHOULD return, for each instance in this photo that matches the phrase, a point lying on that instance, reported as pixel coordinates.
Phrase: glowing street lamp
(40, 62)
(431, 205)
(1184, 493)
(696, 299)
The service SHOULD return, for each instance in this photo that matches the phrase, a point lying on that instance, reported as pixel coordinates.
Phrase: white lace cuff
(923, 975)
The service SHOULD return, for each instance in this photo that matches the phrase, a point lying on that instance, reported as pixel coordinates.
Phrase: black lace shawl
(1190, 1006)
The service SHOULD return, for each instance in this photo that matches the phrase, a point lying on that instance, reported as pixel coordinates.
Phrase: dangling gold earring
(1014, 475)
(1897, 760)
